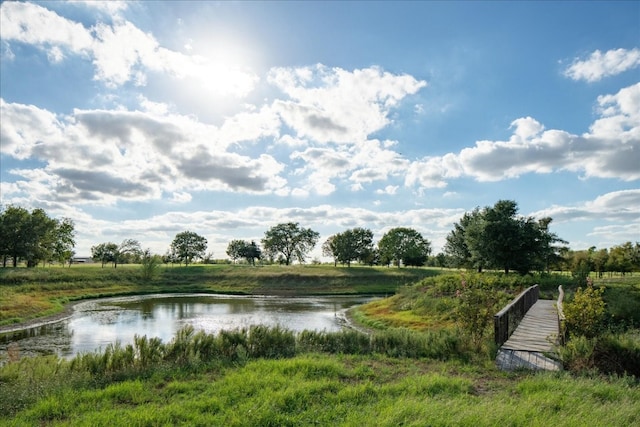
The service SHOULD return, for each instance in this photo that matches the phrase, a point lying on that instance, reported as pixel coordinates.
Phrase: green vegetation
(254, 378)
(428, 360)
(27, 294)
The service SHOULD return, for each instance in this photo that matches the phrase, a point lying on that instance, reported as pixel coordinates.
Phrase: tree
(188, 246)
(13, 224)
(115, 254)
(350, 245)
(127, 247)
(404, 246)
(463, 243)
(502, 235)
(33, 236)
(495, 237)
(104, 252)
(64, 241)
(251, 253)
(243, 249)
(329, 249)
(290, 241)
(235, 248)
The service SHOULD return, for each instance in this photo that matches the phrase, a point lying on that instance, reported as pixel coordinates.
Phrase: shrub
(585, 313)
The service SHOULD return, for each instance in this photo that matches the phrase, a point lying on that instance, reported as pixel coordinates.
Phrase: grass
(416, 369)
(342, 390)
(27, 294)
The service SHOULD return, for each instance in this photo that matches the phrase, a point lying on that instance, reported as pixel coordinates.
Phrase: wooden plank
(538, 330)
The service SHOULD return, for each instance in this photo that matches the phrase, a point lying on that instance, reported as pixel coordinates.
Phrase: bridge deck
(536, 334)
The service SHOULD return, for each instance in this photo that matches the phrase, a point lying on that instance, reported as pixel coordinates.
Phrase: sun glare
(224, 68)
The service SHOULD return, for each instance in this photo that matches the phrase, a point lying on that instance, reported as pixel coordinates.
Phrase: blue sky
(144, 119)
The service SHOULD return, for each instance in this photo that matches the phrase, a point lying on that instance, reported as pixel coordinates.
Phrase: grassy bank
(419, 366)
(278, 379)
(27, 294)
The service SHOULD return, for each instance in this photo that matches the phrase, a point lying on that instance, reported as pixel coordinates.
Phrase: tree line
(494, 237)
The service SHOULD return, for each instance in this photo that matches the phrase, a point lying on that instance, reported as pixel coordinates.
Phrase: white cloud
(600, 65)
(611, 149)
(388, 190)
(621, 206)
(33, 24)
(333, 105)
(101, 156)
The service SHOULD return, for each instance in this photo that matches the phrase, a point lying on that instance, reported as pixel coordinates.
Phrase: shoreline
(69, 308)
(65, 314)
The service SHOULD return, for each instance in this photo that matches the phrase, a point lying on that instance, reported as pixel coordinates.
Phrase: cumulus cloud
(102, 155)
(621, 205)
(600, 65)
(611, 149)
(333, 105)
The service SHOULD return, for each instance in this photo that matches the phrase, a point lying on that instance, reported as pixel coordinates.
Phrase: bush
(585, 313)
(617, 354)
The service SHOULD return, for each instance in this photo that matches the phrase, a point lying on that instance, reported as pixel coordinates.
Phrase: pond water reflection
(95, 324)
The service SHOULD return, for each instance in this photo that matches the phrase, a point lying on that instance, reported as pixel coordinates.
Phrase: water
(95, 324)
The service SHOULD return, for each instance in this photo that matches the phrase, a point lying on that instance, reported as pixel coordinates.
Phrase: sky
(145, 119)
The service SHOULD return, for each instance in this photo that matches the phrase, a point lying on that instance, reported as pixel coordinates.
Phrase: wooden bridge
(528, 330)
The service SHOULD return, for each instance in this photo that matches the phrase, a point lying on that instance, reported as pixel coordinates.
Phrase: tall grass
(192, 351)
(341, 390)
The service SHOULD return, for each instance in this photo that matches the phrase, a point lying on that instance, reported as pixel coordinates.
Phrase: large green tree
(188, 246)
(496, 237)
(355, 244)
(290, 241)
(33, 236)
(404, 245)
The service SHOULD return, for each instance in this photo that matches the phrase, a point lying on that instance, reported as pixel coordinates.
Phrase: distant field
(27, 294)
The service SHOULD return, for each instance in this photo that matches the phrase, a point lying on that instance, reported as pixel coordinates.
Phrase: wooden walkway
(533, 340)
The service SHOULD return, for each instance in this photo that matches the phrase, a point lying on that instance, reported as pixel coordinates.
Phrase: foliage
(475, 310)
(188, 246)
(355, 244)
(585, 313)
(495, 237)
(150, 265)
(290, 241)
(310, 389)
(113, 253)
(608, 353)
(34, 236)
(242, 249)
(404, 246)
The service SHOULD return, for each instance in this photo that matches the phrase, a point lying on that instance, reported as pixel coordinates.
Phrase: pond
(97, 323)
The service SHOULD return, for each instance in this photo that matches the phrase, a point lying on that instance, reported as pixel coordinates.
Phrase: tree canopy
(355, 244)
(114, 253)
(495, 237)
(188, 246)
(34, 236)
(242, 249)
(289, 241)
(404, 246)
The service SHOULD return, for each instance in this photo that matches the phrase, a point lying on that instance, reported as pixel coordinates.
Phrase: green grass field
(416, 369)
(341, 390)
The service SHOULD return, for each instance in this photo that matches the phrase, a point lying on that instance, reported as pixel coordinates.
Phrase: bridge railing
(561, 319)
(506, 320)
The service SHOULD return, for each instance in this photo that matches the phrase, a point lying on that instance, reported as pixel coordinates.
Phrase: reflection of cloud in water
(96, 324)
